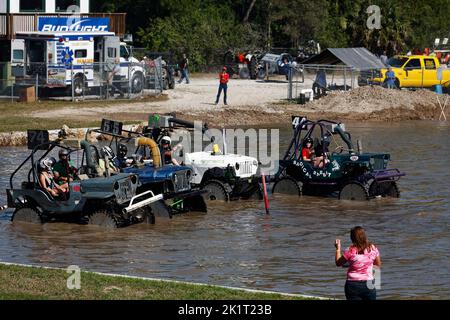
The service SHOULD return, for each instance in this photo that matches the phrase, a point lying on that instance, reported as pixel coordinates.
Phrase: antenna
(224, 142)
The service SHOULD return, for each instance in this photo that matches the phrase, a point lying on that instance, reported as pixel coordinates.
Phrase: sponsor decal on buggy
(335, 166)
(124, 190)
(354, 158)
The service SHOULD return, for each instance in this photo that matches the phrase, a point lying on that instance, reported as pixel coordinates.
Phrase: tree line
(206, 28)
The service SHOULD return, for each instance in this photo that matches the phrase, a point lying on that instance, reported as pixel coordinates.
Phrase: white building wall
(14, 6)
(3, 6)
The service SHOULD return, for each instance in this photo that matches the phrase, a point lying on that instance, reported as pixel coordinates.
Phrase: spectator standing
(184, 63)
(361, 256)
(224, 77)
(384, 58)
(390, 79)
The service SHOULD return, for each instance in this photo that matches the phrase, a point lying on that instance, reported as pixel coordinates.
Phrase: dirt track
(258, 102)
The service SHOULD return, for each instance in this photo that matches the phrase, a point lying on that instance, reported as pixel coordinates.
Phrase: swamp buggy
(106, 201)
(223, 176)
(173, 182)
(351, 173)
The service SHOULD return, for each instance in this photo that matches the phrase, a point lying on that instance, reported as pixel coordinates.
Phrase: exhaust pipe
(134, 206)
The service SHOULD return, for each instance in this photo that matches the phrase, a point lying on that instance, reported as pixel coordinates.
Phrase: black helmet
(122, 150)
(307, 140)
(63, 152)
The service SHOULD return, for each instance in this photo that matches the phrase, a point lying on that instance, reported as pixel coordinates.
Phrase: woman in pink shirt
(361, 256)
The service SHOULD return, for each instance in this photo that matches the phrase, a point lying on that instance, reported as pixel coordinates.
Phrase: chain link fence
(128, 79)
(313, 81)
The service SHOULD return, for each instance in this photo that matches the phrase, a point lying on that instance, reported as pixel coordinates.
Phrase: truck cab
(416, 71)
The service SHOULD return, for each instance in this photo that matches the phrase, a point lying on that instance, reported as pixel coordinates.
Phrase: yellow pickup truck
(416, 72)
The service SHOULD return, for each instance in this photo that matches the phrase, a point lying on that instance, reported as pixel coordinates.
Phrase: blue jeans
(358, 290)
(184, 75)
(223, 87)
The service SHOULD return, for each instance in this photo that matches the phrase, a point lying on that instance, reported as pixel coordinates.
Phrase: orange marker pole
(266, 198)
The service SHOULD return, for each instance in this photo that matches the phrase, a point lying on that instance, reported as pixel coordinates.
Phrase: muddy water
(292, 250)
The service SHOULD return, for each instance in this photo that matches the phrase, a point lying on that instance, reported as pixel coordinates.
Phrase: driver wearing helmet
(307, 150)
(46, 178)
(108, 156)
(64, 170)
(121, 160)
(166, 151)
(317, 159)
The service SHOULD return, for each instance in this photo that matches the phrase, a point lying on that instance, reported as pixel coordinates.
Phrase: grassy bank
(20, 282)
(18, 116)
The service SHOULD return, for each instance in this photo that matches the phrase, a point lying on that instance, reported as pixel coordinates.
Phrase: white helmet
(166, 139)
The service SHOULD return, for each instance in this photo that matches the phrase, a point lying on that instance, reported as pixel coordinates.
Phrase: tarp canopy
(356, 58)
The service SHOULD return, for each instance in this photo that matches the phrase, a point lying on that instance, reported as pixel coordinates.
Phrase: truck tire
(137, 83)
(353, 190)
(103, 218)
(244, 73)
(216, 190)
(161, 210)
(166, 84)
(261, 74)
(26, 214)
(288, 185)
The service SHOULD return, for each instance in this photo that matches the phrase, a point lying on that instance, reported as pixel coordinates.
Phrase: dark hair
(359, 239)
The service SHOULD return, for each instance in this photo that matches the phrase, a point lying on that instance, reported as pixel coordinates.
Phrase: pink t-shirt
(360, 265)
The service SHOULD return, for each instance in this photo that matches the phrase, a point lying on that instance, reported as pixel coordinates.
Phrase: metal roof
(356, 58)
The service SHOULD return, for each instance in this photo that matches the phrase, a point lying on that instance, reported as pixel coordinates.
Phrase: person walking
(224, 77)
(361, 256)
(184, 63)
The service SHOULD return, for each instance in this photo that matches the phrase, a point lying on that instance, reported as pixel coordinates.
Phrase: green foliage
(203, 29)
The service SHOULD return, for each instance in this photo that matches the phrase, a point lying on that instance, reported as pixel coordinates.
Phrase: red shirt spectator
(224, 77)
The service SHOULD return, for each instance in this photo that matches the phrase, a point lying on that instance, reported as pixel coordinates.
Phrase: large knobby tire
(26, 214)
(261, 74)
(161, 210)
(384, 189)
(287, 185)
(244, 73)
(353, 191)
(216, 190)
(137, 83)
(102, 218)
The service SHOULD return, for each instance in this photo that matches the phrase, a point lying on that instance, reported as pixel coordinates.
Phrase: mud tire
(354, 191)
(384, 189)
(216, 191)
(288, 185)
(26, 214)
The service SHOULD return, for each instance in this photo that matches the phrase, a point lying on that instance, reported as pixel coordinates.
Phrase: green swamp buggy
(352, 174)
(106, 201)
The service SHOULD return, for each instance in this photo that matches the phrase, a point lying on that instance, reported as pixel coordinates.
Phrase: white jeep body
(244, 166)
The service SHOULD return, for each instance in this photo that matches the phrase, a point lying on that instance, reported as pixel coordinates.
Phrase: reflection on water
(292, 250)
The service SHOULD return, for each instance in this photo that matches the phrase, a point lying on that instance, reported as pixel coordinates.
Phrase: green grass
(20, 282)
(18, 116)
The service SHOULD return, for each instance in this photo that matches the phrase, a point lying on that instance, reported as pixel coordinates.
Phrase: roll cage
(327, 129)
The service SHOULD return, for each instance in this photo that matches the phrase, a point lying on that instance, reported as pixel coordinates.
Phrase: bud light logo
(73, 24)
